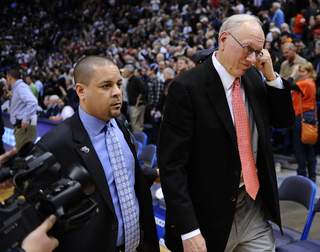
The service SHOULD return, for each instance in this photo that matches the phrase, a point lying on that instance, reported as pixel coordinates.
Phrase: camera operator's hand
(3, 158)
(38, 240)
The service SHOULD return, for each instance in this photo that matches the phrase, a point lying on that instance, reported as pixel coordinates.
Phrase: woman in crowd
(65, 111)
(306, 87)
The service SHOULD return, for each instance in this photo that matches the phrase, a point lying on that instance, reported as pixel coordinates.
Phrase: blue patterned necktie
(125, 194)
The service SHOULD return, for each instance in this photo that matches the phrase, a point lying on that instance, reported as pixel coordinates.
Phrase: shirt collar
(226, 78)
(92, 123)
(16, 83)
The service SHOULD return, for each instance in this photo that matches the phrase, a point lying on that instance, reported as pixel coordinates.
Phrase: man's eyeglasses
(247, 49)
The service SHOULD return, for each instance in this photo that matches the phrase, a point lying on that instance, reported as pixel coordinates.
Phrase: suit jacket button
(113, 227)
(237, 172)
(233, 199)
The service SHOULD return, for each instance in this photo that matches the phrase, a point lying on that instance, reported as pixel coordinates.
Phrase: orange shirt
(308, 88)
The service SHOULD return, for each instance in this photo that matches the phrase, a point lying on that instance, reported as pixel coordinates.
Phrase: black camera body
(36, 177)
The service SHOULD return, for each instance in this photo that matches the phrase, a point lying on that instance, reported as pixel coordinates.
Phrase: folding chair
(301, 190)
(310, 245)
(148, 155)
(138, 147)
(141, 137)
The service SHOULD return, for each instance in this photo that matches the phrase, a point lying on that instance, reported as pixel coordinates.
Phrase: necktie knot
(236, 82)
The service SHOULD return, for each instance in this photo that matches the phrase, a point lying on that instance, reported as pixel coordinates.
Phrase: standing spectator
(305, 88)
(70, 93)
(292, 59)
(23, 111)
(300, 22)
(136, 90)
(32, 86)
(61, 81)
(154, 100)
(37, 81)
(278, 16)
(162, 66)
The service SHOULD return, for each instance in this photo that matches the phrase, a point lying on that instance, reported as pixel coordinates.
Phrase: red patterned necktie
(244, 141)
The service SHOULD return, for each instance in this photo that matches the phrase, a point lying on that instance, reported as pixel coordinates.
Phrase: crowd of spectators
(45, 39)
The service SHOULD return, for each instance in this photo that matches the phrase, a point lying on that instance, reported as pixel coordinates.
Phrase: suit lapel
(91, 159)
(248, 83)
(217, 97)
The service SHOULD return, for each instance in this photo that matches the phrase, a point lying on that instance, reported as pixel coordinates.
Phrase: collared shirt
(97, 134)
(287, 68)
(23, 103)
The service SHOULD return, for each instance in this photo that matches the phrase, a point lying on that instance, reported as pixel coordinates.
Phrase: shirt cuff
(190, 234)
(276, 83)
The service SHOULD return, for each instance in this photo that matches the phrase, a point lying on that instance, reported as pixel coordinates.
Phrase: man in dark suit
(203, 173)
(82, 139)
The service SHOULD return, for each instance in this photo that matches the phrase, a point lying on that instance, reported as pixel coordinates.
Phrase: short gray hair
(235, 21)
(290, 45)
(130, 68)
(170, 71)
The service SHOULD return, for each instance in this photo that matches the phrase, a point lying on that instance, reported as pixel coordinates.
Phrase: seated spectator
(54, 108)
(65, 111)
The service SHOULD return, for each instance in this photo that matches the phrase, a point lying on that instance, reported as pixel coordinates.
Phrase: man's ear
(80, 89)
(223, 39)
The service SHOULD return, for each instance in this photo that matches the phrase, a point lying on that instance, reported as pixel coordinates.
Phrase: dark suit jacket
(53, 111)
(64, 142)
(198, 153)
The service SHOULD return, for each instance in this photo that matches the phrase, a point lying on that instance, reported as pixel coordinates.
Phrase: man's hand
(24, 125)
(264, 64)
(38, 240)
(195, 244)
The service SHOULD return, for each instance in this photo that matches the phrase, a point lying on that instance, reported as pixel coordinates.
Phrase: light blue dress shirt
(97, 134)
(23, 103)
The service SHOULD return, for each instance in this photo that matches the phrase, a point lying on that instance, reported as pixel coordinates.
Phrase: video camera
(39, 192)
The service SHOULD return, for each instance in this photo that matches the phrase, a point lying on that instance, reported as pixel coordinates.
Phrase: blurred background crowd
(45, 39)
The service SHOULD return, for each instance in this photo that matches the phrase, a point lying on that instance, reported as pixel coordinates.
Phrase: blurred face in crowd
(61, 103)
(304, 74)
(182, 65)
(28, 80)
(289, 54)
(162, 66)
(102, 96)
(298, 46)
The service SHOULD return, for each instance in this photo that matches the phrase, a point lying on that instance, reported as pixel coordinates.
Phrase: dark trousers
(305, 153)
